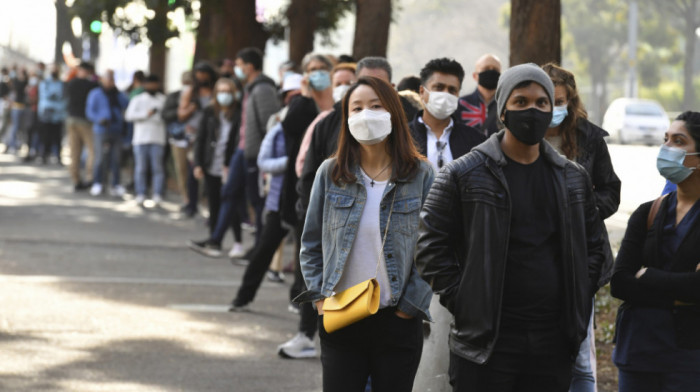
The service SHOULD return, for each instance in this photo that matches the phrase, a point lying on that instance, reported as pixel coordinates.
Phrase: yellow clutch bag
(351, 305)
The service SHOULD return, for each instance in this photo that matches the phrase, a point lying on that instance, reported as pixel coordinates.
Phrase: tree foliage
(328, 15)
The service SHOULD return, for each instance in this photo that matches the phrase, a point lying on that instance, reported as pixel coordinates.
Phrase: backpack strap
(654, 210)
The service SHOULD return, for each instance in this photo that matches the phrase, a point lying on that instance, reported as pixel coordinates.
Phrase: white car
(640, 121)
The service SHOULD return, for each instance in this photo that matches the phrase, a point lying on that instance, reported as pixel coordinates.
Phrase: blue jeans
(145, 155)
(233, 202)
(112, 143)
(18, 122)
(658, 382)
(583, 374)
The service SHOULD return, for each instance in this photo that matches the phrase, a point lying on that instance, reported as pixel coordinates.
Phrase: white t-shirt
(365, 253)
(432, 144)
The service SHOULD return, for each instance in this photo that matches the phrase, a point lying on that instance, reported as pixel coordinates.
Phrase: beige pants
(79, 137)
(181, 170)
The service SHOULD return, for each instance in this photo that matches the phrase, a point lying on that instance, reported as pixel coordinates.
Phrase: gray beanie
(518, 74)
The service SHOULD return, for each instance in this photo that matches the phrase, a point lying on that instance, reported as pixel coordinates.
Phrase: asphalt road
(99, 294)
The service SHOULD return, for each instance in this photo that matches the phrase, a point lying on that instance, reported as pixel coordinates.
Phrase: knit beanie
(518, 74)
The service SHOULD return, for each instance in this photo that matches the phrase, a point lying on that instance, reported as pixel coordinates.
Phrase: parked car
(640, 121)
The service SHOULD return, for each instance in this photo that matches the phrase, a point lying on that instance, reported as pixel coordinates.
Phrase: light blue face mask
(224, 99)
(239, 73)
(558, 115)
(669, 162)
(320, 80)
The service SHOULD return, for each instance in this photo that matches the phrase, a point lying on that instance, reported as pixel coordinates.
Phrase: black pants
(307, 313)
(384, 347)
(272, 235)
(253, 193)
(50, 135)
(525, 359)
(213, 184)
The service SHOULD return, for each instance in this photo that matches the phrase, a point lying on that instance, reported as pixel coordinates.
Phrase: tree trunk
(158, 34)
(690, 37)
(64, 33)
(371, 28)
(227, 26)
(302, 19)
(535, 31)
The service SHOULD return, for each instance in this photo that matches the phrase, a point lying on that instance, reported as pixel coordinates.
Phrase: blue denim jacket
(331, 227)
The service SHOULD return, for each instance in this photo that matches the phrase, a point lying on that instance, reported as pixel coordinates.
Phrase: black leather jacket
(463, 244)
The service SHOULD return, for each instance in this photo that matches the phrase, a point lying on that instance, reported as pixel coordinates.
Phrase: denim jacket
(331, 227)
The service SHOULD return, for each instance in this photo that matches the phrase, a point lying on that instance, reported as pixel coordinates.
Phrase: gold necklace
(371, 183)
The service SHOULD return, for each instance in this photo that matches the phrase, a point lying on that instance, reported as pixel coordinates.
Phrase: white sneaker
(236, 251)
(157, 199)
(117, 191)
(139, 199)
(300, 346)
(96, 189)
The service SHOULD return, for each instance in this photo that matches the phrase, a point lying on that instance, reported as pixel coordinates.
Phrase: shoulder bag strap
(654, 210)
(386, 230)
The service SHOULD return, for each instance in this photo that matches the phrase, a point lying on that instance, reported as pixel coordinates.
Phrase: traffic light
(96, 26)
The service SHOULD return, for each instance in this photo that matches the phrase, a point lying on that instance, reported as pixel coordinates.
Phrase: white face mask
(370, 126)
(339, 92)
(441, 104)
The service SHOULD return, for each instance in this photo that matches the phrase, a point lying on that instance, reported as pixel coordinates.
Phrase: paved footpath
(98, 294)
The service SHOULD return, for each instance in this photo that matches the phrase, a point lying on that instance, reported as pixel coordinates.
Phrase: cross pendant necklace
(371, 182)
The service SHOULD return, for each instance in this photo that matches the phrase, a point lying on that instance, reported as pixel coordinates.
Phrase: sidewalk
(102, 295)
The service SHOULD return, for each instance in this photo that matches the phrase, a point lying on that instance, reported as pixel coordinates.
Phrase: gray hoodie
(261, 104)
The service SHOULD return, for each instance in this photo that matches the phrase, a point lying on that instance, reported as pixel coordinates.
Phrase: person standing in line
(511, 240)
(657, 275)
(259, 103)
(5, 103)
(19, 107)
(144, 111)
(217, 137)
(177, 137)
(79, 127)
(52, 113)
(105, 108)
(478, 109)
(316, 94)
(573, 136)
(32, 115)
(362, 223)
(190, 111)
(441, 139)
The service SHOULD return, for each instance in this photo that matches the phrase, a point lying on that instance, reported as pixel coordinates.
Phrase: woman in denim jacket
(377, 177)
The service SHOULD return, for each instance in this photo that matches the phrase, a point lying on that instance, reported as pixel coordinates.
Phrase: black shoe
(238, 307)
(81, 186)
(28, 158)
(206, 247)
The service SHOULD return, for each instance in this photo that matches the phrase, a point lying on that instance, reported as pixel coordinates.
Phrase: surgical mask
(239, 72)
(370, 126)
(669, 162)
(489, 79)
(441, 104)
(339, 92)
(558, 115)
(529, 125)
(320, 80)
(224, 99)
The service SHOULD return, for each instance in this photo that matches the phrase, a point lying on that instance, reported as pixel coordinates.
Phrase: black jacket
(595, 158)
(463, 245)
(462, 137)
(172, 101)
(324, 143)
(665, 281)
(208, 135)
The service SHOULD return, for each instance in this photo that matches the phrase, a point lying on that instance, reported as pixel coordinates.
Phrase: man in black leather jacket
(511, 240)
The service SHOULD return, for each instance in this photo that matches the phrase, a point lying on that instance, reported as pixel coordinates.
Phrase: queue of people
(473, 224)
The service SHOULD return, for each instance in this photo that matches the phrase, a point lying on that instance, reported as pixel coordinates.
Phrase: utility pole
(632, 50)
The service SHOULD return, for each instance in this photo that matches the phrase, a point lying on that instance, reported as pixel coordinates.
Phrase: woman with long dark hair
(362, 223)
(656, 275)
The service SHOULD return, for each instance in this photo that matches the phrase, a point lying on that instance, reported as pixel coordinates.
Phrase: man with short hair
(478, 109)
(105, 107)
(437, 134)
(259, 103)
(78, 126)
(511, 241)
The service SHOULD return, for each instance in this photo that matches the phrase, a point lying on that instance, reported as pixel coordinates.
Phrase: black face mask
(152, 92)
(489, 79)
(528, 126)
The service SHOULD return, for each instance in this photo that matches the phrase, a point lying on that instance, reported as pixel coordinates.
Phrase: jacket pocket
(496, 198)
(405, 215)
(340, 207)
